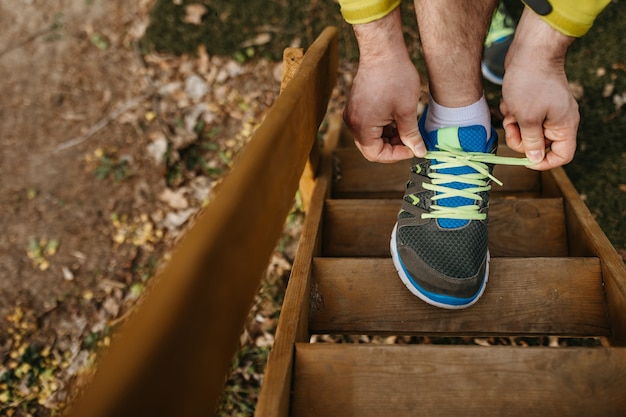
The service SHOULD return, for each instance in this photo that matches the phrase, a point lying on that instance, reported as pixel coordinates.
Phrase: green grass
(227, 25)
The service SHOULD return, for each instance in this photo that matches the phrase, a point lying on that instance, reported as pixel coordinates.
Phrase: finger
(376, 148)
(512, 134)
(560, 153)
(383, 152)
(533, 142)
(365, 139)
(503, 108)
(410, 135)
(552, 159)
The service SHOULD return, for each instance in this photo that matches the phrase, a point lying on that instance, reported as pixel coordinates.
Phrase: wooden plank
(517, 227)
(410, 380)
(585, 238)
(360, 178)
(172, 356)
(359, 227)
(292, 58)
(527, 227)
(515, 179)
(524, 296)
(293, 323)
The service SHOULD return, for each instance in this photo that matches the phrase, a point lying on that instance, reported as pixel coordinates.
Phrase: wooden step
(524, 296)
(359, 178)
(410, 380)
(517, 227)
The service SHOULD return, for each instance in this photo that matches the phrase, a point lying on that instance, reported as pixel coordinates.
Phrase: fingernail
(419, 151)
(535, 156)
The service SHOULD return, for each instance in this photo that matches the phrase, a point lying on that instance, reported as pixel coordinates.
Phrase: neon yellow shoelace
(452, 158)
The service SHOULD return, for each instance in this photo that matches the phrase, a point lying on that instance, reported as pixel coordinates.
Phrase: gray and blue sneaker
(439, 244)
(497, 43)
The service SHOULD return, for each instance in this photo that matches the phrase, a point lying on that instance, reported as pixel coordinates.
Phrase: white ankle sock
(475, 114)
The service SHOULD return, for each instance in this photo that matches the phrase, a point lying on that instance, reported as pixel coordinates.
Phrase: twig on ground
(51, 28)
(102, 123)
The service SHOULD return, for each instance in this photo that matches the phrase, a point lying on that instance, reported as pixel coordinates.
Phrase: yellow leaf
(5, 397)
(44, 265)
(51, 247)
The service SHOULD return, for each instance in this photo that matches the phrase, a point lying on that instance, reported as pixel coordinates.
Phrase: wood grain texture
(412, 380)
(586, 238)
(527, 228)
(517, 227)
(360, 178)
(172, 356)
(292, 58)
(524, 296)
(293, 325)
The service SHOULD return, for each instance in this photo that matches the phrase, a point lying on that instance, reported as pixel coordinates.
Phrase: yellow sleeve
(365, 11)
(571, 18)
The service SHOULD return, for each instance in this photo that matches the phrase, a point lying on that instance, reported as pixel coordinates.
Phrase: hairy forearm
(539, 44)
(381, 41)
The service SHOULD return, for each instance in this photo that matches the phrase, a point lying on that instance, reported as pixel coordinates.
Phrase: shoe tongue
(449, 137)
(468, 139)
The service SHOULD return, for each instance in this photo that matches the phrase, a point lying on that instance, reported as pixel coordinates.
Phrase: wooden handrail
(173, 355)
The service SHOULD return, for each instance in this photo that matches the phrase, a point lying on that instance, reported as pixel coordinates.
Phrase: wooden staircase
(539, 286)
(553, 273)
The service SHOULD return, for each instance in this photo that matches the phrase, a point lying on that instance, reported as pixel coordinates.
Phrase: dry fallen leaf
(619, 101)
(175, 199)
(194, 13)
(68, 275)
(608, 90)
(260, 39)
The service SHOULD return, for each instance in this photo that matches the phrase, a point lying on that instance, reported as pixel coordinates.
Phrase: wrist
(381, 40)
(538, 43)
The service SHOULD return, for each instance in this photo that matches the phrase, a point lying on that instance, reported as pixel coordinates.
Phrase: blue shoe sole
(437, 300)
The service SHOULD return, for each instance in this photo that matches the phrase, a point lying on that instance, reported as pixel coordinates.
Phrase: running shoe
(497, 43)
(439, 243)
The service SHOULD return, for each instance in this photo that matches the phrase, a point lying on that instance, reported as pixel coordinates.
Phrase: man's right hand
(382, 105)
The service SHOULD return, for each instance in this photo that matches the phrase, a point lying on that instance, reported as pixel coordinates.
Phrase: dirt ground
(106, 152)
(55, 83)
(100, 169)
(57, 254)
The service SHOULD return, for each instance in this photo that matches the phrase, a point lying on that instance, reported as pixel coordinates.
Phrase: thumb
(410, 135)
(533, 142)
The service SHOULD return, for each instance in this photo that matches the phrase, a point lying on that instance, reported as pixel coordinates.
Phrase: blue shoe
(439, 244)
(497, 43)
